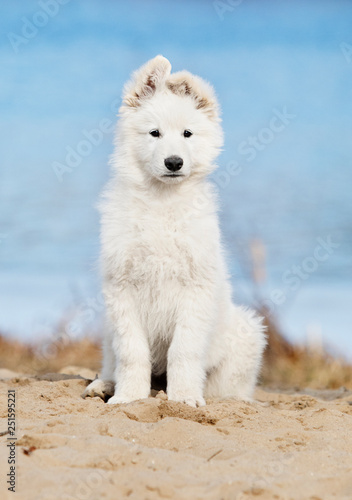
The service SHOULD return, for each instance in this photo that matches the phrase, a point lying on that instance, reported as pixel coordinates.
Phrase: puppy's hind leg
(104, 386)
(244, 342)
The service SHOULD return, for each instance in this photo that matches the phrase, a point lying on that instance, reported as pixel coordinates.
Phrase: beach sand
(292, 445)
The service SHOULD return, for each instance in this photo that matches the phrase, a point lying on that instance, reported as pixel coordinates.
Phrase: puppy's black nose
(173, 163)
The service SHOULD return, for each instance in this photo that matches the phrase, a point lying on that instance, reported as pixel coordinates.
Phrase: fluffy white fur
(165, 281)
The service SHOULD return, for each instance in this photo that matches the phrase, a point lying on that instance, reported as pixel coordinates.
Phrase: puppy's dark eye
(187, 133)
(155, 133)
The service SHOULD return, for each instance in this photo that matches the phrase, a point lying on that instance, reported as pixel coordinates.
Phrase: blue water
(292, 190)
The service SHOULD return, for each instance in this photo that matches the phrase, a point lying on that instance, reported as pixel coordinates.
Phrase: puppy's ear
(186, 84)
(145, 81)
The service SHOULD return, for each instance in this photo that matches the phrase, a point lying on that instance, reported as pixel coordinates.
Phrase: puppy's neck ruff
(190, 199)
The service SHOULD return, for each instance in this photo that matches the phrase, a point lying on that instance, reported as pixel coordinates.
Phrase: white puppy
(165, 284)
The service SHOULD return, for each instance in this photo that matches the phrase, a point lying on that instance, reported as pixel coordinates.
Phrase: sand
(284, 446)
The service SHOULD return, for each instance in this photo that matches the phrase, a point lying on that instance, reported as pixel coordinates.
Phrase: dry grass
(289, 365)
(285, 365)
(49, 357)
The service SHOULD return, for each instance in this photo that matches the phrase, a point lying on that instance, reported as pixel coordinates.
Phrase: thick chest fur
(159, 255)
(161, 252)
(165, 248)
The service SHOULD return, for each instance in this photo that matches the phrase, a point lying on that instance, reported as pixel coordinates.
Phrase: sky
(63, 65)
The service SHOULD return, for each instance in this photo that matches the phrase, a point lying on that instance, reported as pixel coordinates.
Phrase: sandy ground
(285, 446)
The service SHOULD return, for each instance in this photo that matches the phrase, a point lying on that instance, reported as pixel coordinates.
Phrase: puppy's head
(170, 123)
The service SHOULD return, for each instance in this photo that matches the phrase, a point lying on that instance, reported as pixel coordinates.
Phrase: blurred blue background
(289, 202)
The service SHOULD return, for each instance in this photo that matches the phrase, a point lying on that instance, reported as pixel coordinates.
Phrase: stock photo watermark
(90, 486)
(223, 7)
(346, 49)
(55, 339)
(91, 139)
(52, 340)
(11, 440)
(86, 314)
(266, 135)
(293, 277)
(272, 471)
(249, 149)
(30, 26)
(87, 488)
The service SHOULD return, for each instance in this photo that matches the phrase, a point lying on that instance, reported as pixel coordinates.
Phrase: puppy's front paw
(118, 400)
(185, 397)
(100, 388)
